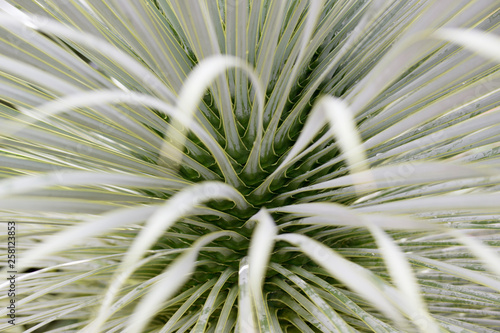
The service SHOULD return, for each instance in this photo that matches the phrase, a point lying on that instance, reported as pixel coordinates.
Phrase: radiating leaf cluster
(251, 166)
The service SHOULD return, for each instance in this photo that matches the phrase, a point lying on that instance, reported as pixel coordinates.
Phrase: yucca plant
(251, 165)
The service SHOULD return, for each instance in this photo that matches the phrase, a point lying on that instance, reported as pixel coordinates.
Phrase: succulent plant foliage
(251, 166)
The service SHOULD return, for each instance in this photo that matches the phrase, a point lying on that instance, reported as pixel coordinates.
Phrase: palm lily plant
(251, 165)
